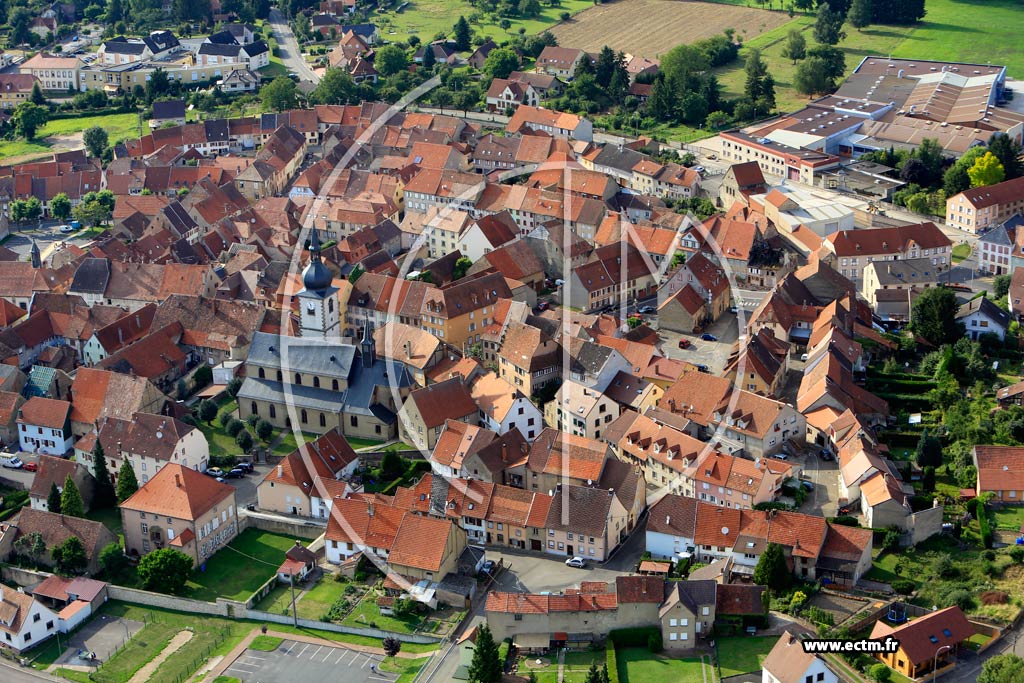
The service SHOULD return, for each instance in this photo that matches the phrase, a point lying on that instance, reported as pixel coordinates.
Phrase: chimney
(369, 509)
(280, 471)
(177, 480)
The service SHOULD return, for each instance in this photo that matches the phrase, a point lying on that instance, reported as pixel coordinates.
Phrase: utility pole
(295, 611)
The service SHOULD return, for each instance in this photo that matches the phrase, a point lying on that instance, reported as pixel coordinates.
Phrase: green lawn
(1010, 518)
(406, 668)
(236, 575)
(274, 69)
(953, 30)
(20, 148)
(111, 518)
(428, 17)
(118, 126)
(638, 665)
(278, 600)
(220, 442)
(366, 613)
(265, 643)
(743, 654)
(960, 252)
(315, 602)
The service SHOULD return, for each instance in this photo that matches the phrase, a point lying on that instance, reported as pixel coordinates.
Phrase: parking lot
(103, 635)
(823, 500)
(701, 352)
(298, 661)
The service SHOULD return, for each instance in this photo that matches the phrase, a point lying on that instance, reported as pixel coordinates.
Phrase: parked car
(647, 310)
(781, 456)
(809, 485)
(30, 467)
(703, 368)
(684, 343)
(543, 306)
(11, 462)
(709, 337)
(803, 356)
(734, 310)
(577, 562)
(489, 567)
(247, 466)
(214, 472)
(699, 169)
(66, 228)
(235, 473)
(826, 455)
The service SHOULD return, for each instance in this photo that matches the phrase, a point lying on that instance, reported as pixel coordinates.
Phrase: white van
(11, 461)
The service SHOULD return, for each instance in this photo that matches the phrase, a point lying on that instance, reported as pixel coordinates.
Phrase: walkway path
(147, 671)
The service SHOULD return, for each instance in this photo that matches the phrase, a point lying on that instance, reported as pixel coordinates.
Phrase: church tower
(318, 300)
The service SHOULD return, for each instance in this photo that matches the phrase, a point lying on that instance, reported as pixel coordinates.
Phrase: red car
(30, 467)
(684, 343)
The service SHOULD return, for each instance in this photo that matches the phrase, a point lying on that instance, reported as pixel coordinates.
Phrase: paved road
(13, 674)
(290, 52)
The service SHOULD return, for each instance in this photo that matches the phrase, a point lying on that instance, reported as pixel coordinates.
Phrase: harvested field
(653, 27)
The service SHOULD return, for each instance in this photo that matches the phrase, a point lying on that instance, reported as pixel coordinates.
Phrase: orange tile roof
(420, 543)
(179, 492)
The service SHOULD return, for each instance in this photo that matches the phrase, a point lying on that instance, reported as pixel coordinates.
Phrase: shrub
(233, 427)
(1017, 554)
(611, 660)
(881, 673)
(654, 643)
(989, 555)
(252, 420)
(633, 637)
(960, 597)
(903, 586)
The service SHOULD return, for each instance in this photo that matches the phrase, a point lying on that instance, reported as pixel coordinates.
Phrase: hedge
(633, 637)
(611, 660)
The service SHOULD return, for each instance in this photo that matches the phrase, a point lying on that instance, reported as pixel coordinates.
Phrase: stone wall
(141, 597)
(338, 628)
(22, 577)
(298, 527)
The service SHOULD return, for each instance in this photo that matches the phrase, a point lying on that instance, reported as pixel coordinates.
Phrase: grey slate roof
(170, 109)
(301, 355)
(219, 50)
(92, 277)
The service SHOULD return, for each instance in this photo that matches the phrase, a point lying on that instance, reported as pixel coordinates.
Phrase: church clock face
(311, 309)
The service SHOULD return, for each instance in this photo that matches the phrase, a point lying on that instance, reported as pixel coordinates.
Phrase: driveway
(824, 499)
(290, 52)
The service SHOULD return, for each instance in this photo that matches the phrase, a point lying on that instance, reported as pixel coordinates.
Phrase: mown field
(653, 27)
(425, 18)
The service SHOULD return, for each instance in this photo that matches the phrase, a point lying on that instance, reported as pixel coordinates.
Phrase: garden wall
(307, 529)
(22, 577)
(338, 628)
(141, 597)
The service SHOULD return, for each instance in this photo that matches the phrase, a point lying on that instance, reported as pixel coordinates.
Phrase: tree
(796, 46)
(1008, 151)
(391, 466)
(771, 570)
(463, 35)
(115, 11)
(19, 20)
(461, 266)
(244, 440)
(392, 646)
(828, 29)
(485, 666)
(928, 479)
(95, 140)
(593, 676)
(1001, 286)
(95, 207)
(390, 60)
(264, 430)
(1004, 668)
(860, 13)
(987, 170)
(71, 503)
(69, 557)
(955, 180)
(28, 118)
(207, 410)
(127, 484)
(104, 496)
(880, 673)
(30, 546)
(157, 85)
(501, 62)
(203, 376)
(37, 96)
(929, 451)
(760, 86)
(336, 87)
(112, 559)
(429, 60)
(812, 77)
(53, 498)
(605, 677)
(934, 316)
(165, 569)
(278, 95)
(60, 206)
(930, 153)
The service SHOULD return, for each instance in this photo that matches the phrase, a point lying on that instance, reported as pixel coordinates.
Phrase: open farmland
(653, 27)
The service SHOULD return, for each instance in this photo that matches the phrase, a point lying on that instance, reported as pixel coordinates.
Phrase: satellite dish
(725, 531)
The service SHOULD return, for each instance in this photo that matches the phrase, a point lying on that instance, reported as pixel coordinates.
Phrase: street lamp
(935, 660)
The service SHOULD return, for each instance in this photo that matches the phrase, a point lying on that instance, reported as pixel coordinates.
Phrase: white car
(66, 228)
(577, 562)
